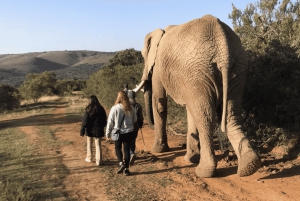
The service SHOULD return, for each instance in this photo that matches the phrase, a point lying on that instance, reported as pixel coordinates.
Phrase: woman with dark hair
(122, 116)
(93, 124)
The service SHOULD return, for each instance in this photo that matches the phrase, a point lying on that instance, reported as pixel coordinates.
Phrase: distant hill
(66, 64)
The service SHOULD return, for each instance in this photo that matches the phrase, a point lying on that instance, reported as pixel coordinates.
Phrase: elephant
(202, 65)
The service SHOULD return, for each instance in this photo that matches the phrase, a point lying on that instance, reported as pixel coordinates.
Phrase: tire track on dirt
(83, 181)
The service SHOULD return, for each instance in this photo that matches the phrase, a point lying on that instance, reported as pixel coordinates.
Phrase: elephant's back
(193, 41)
(195, 51)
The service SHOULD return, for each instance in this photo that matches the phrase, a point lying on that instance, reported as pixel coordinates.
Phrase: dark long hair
(94, 105)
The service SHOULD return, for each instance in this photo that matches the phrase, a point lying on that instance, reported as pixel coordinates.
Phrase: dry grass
(24, 175)
(30, 108)
(41, 100)
(76, 103)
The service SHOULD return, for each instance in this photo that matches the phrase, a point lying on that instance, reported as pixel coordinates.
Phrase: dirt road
(165, 176)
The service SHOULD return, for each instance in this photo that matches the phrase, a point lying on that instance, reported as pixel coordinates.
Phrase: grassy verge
(45, 105)
(30, 171)
(76, 104)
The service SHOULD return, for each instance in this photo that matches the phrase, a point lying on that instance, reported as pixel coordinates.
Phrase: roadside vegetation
(269, 31)
(30, 160)
(27, 171)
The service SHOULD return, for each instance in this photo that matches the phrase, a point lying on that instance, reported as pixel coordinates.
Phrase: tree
(38, 85)
(126, 57)
(125, 67)
(265, 21)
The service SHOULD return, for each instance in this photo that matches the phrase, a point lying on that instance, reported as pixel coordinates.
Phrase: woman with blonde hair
(122, 116)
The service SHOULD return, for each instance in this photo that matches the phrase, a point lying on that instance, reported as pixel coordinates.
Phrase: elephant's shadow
(164, 160)
(167, 158)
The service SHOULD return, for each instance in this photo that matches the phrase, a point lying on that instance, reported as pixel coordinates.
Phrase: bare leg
(98, 151)
(89, 154)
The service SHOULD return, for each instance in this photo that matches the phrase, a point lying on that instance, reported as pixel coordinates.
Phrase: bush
(269, 32)
(63, 87)
(10, 97)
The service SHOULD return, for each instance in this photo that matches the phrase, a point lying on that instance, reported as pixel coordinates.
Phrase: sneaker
(127, 172)
(88, 160)
(121, 169)
(132, 159)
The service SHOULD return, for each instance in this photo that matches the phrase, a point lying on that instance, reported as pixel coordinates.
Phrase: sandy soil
(277, 179)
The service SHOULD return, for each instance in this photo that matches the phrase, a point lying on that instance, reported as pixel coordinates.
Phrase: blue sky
(99, 25)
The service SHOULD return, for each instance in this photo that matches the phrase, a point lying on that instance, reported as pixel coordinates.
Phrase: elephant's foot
(192, 157)
(249, 161)
(205, 172)
(158, 148)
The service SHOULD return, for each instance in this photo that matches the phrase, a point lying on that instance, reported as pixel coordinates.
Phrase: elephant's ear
(150, 48)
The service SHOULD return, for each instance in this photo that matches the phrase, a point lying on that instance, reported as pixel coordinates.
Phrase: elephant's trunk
(148, 103)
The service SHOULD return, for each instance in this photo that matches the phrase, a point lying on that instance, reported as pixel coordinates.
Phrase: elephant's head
(149, 51)
(151, 44)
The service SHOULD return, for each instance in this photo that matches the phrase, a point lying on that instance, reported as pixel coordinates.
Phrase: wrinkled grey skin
(202, 65)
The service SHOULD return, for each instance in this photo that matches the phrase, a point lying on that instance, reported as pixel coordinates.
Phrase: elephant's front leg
(193, 147)
(159, 104)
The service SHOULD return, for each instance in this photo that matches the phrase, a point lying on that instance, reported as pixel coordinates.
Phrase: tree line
(36, 86)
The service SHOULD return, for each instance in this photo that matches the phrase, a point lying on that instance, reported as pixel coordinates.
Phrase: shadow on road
(43, 105)
(293, 171)
(42, 119)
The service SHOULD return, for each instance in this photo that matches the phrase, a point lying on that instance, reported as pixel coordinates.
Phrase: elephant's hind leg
(193, 146)
(203, 114)
(248, 160)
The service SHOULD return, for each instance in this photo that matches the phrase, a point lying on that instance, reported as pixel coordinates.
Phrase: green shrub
(106, 83)
(269, 31)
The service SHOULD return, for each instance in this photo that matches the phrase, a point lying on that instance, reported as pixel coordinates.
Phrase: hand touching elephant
(201, 64)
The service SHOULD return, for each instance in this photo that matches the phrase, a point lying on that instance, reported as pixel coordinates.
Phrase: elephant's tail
(225, 61)
(225, 98)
